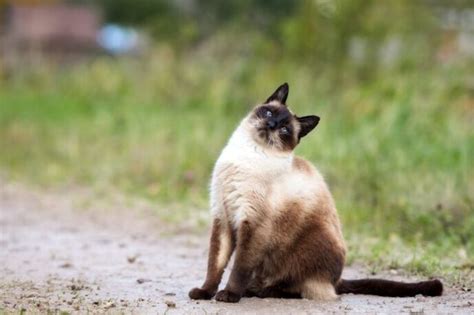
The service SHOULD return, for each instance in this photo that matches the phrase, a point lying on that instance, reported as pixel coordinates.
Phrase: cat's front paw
(227, 296)
(200, 294)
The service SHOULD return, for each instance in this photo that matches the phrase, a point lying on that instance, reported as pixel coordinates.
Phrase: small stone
(170, 304)
(66, 265)
(109, 305)
(142, 280)
(132, 259)
(76, 287)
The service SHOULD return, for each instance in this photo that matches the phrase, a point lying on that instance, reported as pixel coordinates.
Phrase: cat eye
(284, 130)
(268, 113)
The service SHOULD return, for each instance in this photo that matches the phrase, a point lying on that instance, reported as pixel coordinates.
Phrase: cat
(275, 211)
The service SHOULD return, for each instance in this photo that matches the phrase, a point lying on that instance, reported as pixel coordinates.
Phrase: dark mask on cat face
(276, 126)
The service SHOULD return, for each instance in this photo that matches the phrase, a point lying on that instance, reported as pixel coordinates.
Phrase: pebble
(142, 280)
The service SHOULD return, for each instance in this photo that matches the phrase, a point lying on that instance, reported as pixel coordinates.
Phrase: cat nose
(271, 124)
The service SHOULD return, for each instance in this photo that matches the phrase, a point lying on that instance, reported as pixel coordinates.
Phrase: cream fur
(224, 250)
(258, 175)
(314, 289)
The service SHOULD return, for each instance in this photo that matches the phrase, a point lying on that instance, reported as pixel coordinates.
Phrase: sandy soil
(56, 255)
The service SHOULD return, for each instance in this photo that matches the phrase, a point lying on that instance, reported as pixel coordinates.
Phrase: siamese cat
(275, 212)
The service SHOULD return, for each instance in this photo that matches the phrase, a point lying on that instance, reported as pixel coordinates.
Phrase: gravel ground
(56, 255)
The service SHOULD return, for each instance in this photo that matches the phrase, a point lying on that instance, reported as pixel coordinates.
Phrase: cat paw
(200, 294)
(227, 296)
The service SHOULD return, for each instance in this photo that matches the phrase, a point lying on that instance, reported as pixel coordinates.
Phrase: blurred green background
(392, 81)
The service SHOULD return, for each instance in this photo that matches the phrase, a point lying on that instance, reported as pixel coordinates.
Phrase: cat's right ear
(280, 94)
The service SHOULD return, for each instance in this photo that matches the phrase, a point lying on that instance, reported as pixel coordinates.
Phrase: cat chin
(270, 146)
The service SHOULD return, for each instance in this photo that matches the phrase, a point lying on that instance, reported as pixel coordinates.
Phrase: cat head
(274, 126)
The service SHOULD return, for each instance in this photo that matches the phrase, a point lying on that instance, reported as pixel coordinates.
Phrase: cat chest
(238, 194)
(246, 196)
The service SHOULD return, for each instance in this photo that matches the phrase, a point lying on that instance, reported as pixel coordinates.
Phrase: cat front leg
(247, 257)
(220, 250)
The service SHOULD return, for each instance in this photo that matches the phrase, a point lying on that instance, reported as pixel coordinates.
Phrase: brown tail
(390, 288)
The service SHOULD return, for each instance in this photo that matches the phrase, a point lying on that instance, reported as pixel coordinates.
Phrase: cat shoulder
(304, 166)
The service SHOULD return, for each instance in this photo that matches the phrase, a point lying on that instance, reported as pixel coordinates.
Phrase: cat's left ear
(307, 123)
(280, 94)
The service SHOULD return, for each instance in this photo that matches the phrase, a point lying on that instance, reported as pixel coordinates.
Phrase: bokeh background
(138, 97)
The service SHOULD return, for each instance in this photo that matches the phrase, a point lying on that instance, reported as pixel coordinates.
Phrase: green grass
(396, 149)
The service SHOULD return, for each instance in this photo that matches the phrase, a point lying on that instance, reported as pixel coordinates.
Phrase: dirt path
(57, 256)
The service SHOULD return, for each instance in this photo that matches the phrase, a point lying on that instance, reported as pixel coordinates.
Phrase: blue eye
(284, 130)
(268, 113)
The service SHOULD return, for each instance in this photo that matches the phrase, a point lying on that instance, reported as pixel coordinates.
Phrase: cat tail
(390, 288)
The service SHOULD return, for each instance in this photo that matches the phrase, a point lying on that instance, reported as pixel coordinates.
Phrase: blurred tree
(316, 31)
(323, 30)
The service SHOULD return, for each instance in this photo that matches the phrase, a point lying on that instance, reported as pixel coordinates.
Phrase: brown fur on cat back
(274, 211)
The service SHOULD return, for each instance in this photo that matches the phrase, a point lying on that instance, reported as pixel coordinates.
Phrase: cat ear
(280, 94)
(307, 123)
